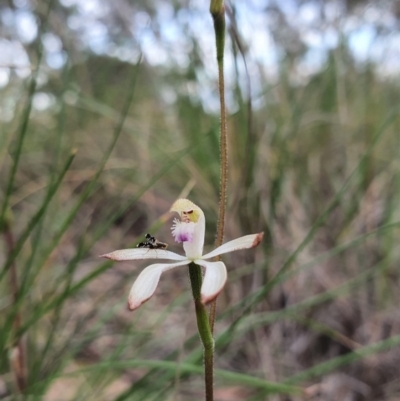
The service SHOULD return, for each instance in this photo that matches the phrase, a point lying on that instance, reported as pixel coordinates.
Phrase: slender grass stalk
(16, 248)
(185, 369)
(323, 368)
(247, 304)
(35, 219)
(25, 120)
(17, 355)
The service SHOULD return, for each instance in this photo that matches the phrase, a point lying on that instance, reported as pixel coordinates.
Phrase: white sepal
(146, 283)
(248, 241)
(142, 253)
(214, 279)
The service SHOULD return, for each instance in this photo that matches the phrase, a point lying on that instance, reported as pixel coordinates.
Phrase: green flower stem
(203, 326)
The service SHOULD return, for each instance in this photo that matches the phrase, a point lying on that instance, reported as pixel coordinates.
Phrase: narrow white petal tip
(258, 239)
(133, 305)
(206, 299)
(107, 256)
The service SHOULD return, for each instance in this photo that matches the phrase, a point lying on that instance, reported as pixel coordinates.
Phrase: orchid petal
(146, 283)
(248, 241)
(214, 279)
(142, 253)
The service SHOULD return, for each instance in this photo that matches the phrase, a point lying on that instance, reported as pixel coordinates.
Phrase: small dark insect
(152, 243)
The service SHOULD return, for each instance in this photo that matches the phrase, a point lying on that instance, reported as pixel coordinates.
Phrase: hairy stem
(217, 11)
(203, 326)
(218, 14)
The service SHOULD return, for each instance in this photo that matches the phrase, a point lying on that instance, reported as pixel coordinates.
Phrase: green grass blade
(327, 367)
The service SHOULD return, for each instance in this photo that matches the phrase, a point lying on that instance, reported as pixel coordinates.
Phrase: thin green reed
(70, 216)
(4, 217)
(19, 244)
(18, 361)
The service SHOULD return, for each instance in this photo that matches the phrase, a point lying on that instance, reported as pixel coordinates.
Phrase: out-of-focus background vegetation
(131, 86)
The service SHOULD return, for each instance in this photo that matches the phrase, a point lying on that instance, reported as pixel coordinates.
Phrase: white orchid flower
(189, 230)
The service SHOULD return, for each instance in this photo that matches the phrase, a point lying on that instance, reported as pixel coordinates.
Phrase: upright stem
(217, 11)
(205, 323)
(203, 326)
(17, 356)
